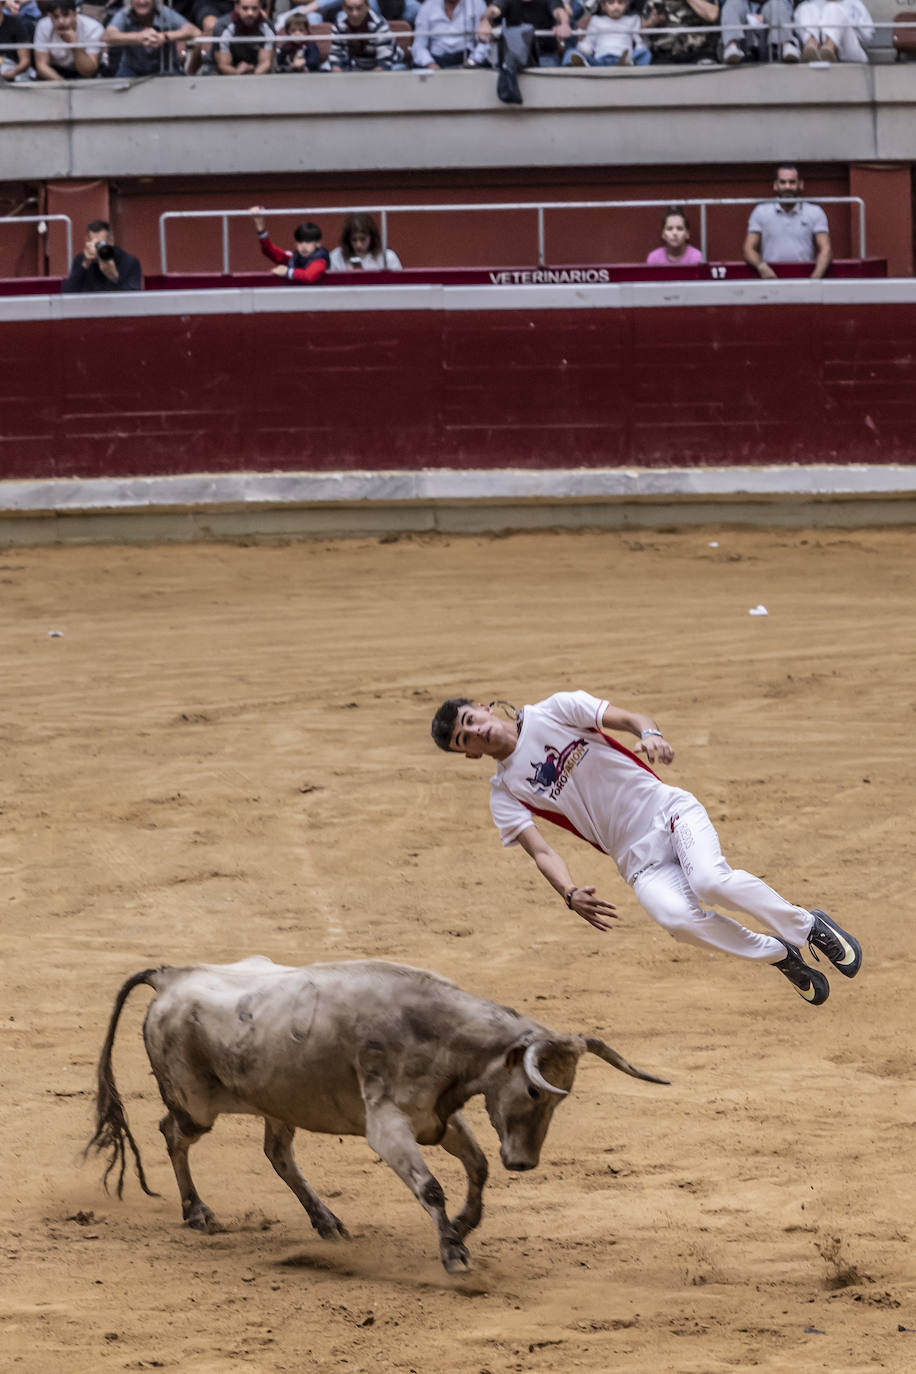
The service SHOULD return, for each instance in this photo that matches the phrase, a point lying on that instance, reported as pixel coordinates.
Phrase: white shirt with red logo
(566, 769)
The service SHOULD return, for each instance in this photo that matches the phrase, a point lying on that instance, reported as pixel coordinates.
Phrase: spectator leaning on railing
(445, 35)
(361, 249)
(244, 59)
(307, 264)
(787, 229)
(102, 265)
(55, 60)
(675, 250)
(362, 40)
(148, 35)
(298, 52)
(14, 65)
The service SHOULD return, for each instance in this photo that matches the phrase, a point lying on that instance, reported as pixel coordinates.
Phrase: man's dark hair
(307, 233)
(444, 721)
(67, 6)
(98, 226)
(785, 167)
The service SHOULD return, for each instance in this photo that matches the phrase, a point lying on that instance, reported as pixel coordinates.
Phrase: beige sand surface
(226, 752)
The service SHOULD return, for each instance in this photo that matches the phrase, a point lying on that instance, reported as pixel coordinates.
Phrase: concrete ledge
(295, 505)
(416, 120)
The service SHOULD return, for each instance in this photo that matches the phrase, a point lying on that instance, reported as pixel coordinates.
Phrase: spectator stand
(894, 38)
(539, 209)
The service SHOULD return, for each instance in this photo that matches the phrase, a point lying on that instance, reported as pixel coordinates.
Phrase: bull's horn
(610, 1056)
(535, 1077)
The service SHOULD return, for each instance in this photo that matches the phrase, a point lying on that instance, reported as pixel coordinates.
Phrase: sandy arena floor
(226, 752)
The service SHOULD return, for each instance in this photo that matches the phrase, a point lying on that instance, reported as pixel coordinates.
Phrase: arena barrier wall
(555, 377)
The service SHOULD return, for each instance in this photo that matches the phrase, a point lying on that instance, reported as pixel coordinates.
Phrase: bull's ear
(514, 1056)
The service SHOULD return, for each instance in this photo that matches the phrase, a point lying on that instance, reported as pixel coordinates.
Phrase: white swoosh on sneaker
(850, 955)
(810, 995)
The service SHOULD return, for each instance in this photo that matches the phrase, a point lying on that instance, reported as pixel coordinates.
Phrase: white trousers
(813, 20)
(680, 892)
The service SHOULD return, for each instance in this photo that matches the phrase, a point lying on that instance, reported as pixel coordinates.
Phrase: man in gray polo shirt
(787, 229)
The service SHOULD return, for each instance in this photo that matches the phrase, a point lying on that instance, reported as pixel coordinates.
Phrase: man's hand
(152, 38)
(257, 213)
(655, 746)
(766, 272)
(281, 270)
(598, 913)
(89, 253)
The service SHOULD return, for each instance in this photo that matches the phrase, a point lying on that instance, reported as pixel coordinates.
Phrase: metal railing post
(542, 239)
(702, 230)
(163, 259)
(384, 232)
(225, 223)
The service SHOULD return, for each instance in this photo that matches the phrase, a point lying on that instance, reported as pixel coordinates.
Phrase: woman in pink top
(676, 249)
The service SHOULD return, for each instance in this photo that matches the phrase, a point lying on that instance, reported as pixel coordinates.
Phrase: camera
(104, 252)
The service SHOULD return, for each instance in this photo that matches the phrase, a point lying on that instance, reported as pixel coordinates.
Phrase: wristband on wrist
(567, 896)
(651, 732)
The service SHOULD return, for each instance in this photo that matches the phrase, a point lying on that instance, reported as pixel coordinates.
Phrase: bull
(365, 1048)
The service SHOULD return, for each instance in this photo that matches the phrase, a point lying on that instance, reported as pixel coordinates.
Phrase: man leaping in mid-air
(556, 760)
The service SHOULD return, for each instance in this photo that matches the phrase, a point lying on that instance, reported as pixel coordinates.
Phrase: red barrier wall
(354, 389)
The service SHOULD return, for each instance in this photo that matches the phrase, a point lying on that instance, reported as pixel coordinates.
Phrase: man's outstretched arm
(652, 742)
(581, 900)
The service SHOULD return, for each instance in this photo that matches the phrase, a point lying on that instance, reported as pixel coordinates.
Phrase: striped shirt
(376, 51)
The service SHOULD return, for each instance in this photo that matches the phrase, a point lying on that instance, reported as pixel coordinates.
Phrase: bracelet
(651, 732)
(567, 896)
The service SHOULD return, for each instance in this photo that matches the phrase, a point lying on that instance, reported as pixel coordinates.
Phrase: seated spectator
(247, 21)
(102, 265)
(682, 14)
(148, 34)
(27, 12)
(328, 10)
(542, 15)
(361, 247)
(676, 249)
(834, 30)
(445, 35)
(206, 14)
(787, 229)
(298, 53)
(14, 65)
(62, 25)
(613, 39)
(773, 28)
(308, 261)
(373, 48)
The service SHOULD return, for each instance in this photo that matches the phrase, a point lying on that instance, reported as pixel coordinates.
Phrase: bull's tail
(610, 1056)
(112, 1133)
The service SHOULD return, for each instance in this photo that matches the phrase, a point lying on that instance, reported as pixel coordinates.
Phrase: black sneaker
(808, 983)
(842, 949)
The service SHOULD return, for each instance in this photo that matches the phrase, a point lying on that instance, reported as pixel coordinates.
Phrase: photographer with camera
(102, 265)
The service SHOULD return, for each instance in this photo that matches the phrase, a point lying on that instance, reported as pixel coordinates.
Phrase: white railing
(539, 208)
(43, 221)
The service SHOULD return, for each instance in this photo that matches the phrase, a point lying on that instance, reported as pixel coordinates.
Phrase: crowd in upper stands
(58, 40)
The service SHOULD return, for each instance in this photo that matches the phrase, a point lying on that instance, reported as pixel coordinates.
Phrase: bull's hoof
(331, 1228)
(455, 1258)
(202, 1219)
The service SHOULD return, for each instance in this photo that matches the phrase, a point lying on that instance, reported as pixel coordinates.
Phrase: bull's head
(524, 1090)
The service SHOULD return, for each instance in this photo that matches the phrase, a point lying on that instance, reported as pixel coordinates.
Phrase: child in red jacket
(306, 264)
